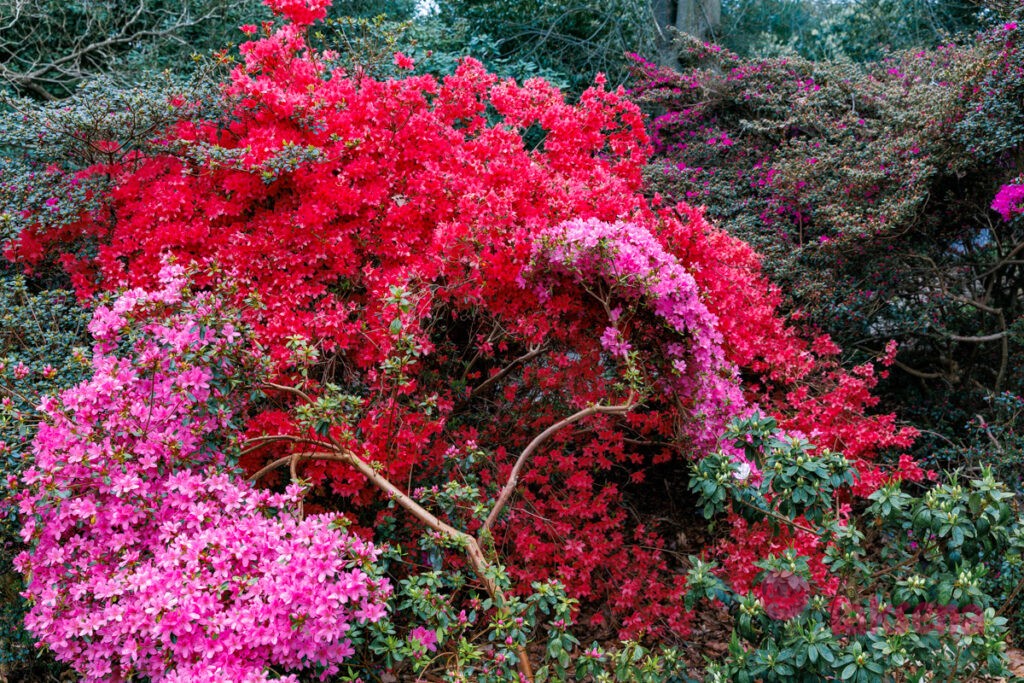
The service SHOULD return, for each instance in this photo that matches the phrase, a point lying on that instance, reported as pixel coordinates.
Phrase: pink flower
(1008, 201)
(144, 553)
(107, 146)
(424, 638)
(613, 342)
(403, 62)
(630, 258)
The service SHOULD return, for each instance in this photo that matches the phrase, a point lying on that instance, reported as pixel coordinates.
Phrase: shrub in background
(867, 190)
(43, 349)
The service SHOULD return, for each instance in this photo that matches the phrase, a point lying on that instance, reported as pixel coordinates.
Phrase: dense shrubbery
(43, 349)
(868, 191)
(910, 588)
(442, 331)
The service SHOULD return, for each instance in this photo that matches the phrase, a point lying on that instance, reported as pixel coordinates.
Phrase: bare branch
(474, 553)
(47, 48)
(513, 477)
(497, 377)
(984, 339)
(290, 390)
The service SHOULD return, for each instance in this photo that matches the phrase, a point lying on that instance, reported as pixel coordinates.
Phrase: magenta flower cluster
(636, 268)
(1009, 200)
(148, 556)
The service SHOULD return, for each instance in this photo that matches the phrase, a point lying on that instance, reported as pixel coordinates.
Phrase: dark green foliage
(41, 338)
(577, 40)
(868, 191)
(571, 39)
(911, 589)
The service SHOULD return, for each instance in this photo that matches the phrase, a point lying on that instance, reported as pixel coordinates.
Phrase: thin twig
(290, 390)
(497, 377)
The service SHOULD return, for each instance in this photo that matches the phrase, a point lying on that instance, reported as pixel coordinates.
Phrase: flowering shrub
(906, 591)
(42, 350)
(867, 189)
(147, 555)
(459, 280)
(43, 336)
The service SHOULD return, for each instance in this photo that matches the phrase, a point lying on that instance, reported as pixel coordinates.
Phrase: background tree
(858, 30)
(577, 39)
(698, 18)
(47, 48)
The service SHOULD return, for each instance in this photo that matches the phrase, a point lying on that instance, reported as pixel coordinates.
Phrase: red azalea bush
(430, 248)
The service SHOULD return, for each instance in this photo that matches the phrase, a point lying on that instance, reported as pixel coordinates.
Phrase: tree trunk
(699, 18)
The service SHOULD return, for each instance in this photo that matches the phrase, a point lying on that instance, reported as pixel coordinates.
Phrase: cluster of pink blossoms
(636, 268)
(148, 556)
(1009, 201)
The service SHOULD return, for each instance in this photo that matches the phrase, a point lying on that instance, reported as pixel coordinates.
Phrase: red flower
(403, 61)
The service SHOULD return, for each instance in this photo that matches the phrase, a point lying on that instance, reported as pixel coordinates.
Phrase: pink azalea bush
(149, 556)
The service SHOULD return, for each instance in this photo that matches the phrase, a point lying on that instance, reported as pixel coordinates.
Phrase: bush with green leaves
(42, 350)
(868, 191)
(910, 586)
